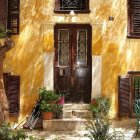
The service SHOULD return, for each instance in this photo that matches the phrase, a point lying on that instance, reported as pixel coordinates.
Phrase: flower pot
(47, 115)
(59, 115)
(62, 100)
(93, 101)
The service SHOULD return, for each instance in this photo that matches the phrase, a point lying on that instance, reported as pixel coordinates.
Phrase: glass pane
(137, 87)
(72, 4)
(63, 47)
(82, 47)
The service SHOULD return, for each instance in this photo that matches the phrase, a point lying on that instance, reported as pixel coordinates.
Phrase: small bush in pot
(101, 106)
(58, 111)
(46, 109)
(50, 96)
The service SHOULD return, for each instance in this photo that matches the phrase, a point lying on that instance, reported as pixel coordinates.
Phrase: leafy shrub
(99, 130)
(46, 107)
(57, 108)
(7, 133)
(101, 106)
(48, 95)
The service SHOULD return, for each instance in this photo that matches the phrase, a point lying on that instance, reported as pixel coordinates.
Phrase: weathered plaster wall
(32, 55)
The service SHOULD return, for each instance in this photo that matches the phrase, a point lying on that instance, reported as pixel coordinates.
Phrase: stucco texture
(35, 41)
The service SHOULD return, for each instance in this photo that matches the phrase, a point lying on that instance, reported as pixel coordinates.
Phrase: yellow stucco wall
(109, 40)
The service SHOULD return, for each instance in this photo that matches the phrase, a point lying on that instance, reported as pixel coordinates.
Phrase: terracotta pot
(93, 101)
(47, 115)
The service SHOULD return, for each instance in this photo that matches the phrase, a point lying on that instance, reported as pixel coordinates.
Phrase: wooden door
(72, 61)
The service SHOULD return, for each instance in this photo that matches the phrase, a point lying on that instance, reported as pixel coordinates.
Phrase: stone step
(64, 124)
(75, 107)
(77, 114)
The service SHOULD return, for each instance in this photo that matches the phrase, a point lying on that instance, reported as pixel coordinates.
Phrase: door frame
(89, 63)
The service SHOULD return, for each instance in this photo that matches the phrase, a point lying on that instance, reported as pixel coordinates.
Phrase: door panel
(72, 63)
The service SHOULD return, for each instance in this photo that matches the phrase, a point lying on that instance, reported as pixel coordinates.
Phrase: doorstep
(65, 124)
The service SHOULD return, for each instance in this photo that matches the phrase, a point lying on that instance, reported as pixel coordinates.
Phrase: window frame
(131, 34)
(13, 17)
(59, 11)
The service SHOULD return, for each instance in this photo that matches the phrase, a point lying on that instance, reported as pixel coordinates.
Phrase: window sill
(67, 12)
(133, 36)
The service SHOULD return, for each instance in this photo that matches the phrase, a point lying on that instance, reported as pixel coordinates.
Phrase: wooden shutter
(3, 12)
(124, 96)
(13, 16)
(133, 19)
(12, 88)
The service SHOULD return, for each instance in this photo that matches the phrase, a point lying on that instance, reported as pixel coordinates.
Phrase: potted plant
(100, 106)
(58, 111)
(62, 97)
(46, 110)
(50, 96)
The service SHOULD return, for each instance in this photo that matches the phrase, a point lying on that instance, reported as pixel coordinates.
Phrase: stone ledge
(77, 113)
(76, 106)
(64, 124)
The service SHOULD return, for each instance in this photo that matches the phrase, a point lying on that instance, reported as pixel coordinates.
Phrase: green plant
(57, 108)
(6, 133)
(63, 94)
(48, 95)
(46, 107)
(101, 106)
(3, 32)
(99, 130)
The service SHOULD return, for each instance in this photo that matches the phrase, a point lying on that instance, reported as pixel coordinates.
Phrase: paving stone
(127, 126)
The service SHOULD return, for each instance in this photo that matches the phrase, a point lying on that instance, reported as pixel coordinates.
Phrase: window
(133, 19)
(129, 92)
(9, 15)
(65, 6)
(13, 16)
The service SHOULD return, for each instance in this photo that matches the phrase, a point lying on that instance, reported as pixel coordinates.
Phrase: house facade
(43, 32)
